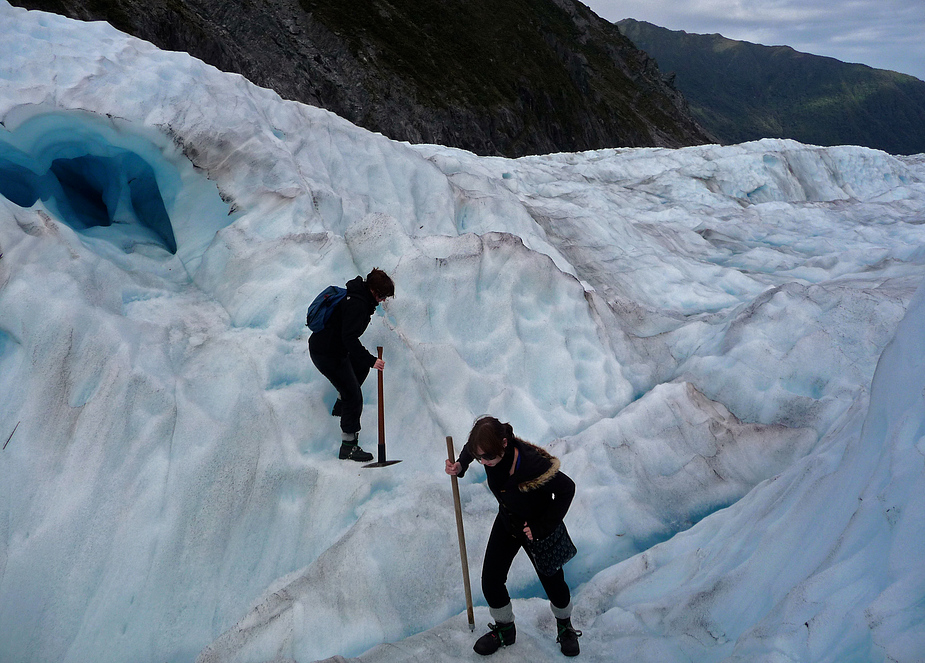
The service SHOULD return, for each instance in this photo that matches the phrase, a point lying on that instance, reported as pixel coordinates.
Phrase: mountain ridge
(740, 91)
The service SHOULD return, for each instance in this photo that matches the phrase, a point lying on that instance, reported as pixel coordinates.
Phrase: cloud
(884, 34)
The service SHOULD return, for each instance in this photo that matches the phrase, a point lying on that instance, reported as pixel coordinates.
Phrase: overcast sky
(886, 34)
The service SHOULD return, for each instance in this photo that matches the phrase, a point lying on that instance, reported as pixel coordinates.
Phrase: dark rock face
(497, 77)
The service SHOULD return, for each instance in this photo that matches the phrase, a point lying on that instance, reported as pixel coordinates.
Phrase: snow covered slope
(693, 332)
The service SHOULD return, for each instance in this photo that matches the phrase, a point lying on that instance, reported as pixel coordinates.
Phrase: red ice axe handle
(382, 461)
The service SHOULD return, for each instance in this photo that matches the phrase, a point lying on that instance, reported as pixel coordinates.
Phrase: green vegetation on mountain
(424, 41)
(741, 91)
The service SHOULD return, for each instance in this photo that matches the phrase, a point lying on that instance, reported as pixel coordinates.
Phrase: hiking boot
(568, 637)
(352, 451)
(499, 635)
(338, 406)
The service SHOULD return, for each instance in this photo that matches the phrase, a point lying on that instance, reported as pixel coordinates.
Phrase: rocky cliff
(504, 77)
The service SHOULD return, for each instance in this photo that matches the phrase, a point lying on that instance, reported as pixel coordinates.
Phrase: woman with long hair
(533, 497)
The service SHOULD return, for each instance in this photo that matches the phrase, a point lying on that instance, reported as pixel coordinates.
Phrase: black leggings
(499, 555)
(347, 376)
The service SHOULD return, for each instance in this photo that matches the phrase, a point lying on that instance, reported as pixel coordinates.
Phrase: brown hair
(380, 284)
(487, 436)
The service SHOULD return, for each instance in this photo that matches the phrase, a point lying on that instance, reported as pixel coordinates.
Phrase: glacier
(723, 345)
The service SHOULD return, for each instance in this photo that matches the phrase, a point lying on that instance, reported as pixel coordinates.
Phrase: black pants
(347, 376)
(499, 555)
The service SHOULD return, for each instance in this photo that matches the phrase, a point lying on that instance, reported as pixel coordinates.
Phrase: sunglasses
(485, 456)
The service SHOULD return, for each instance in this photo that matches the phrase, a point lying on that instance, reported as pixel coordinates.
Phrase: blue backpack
(320, 309)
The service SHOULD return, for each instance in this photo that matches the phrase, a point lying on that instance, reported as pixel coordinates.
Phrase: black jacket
(536, 494)
(349, 319)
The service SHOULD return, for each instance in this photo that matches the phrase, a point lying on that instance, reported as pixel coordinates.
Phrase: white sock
(503, 615)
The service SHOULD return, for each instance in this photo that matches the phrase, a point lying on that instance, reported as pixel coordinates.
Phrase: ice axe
(382, 462)
(461, 535)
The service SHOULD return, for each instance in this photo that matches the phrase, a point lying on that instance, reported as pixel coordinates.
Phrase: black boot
(568, 637)
(352, 451)
(499, 635)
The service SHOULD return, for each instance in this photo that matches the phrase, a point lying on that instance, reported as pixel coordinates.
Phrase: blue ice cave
(103, 178)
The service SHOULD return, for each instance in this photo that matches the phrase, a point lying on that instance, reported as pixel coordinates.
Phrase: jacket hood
(357, 287)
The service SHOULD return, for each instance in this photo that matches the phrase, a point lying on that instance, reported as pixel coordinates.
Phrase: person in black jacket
(533, 498)
(338, 354)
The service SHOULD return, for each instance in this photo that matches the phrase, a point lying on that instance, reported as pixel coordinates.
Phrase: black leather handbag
(552, 552)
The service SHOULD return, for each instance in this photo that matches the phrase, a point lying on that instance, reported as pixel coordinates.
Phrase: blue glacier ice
(69, 163)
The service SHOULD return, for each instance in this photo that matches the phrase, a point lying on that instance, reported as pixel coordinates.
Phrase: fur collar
(541, 457)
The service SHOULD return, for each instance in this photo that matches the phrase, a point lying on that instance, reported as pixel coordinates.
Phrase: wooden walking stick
(461, 535)
(382, 461)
